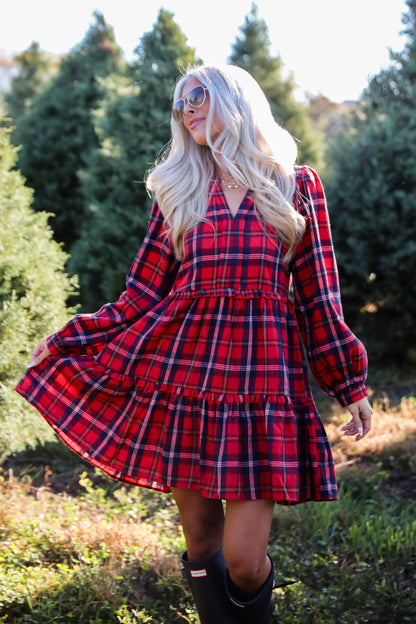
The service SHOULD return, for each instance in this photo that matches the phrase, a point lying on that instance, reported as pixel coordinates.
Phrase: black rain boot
(207, 582)
(257, 610)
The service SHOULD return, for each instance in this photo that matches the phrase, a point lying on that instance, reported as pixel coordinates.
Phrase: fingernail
(360, 431)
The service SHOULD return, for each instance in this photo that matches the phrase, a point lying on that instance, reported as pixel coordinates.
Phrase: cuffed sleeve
(149, 279)
(337, 358)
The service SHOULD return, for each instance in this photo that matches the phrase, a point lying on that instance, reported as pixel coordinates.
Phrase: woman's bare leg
(246, 535)
(202, 522)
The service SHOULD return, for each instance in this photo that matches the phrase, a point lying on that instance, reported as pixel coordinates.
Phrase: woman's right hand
(40, 352)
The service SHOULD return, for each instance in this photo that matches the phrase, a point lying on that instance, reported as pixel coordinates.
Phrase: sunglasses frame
(178, 115)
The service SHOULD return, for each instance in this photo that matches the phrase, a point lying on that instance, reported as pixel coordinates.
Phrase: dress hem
(316, 490)
(166, 489)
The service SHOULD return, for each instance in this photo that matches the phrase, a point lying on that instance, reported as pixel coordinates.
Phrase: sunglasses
(196, 97)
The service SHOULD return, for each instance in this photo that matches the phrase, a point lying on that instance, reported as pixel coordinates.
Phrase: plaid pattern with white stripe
(196, 376)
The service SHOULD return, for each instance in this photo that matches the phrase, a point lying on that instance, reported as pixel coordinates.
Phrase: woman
(194, 382)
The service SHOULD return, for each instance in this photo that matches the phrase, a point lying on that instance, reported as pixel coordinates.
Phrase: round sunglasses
(196, 97)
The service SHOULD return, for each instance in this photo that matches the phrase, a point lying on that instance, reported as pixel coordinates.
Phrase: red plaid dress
(195, 377)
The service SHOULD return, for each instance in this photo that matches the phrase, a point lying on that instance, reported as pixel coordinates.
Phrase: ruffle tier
(159, 437)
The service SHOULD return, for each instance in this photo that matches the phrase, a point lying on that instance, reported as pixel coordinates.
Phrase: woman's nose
(188, 108)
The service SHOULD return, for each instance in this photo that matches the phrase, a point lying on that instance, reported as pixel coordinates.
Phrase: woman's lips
(194, 123)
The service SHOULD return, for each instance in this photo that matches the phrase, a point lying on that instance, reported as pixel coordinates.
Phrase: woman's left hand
(360, 424)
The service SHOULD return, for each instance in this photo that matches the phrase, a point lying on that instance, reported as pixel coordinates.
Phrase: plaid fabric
(196, 377)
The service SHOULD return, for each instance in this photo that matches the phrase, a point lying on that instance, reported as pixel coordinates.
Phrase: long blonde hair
(256, 150)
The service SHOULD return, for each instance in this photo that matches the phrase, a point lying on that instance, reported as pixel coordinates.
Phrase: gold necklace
(228, 181)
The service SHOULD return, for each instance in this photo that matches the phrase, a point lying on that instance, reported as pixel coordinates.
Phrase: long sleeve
(337, 358)
(149, 279)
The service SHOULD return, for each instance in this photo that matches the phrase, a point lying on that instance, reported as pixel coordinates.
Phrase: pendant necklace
(228, 181)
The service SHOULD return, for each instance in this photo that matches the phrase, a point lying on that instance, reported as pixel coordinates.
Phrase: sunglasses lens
(196, 97)
(177, 110)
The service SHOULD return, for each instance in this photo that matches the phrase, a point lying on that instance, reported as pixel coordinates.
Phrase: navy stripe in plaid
(196, 377)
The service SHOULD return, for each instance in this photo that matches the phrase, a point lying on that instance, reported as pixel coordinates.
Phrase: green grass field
(79, 547)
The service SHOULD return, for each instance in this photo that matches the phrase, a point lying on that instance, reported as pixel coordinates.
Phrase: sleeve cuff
(351, 395)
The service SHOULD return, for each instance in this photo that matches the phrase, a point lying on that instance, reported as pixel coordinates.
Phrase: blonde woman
(194, 382)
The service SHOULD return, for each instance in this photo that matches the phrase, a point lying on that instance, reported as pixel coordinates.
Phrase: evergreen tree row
(371, 191)
(88, 136)
(90, 127)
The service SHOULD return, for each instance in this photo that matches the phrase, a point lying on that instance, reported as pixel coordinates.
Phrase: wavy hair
(256, 150)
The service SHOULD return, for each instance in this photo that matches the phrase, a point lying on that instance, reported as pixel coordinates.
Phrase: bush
(33, 293)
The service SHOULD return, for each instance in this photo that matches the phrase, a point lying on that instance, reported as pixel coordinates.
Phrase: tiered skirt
(237, 447)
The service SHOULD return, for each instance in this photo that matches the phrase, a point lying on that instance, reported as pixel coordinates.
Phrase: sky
(331, 47)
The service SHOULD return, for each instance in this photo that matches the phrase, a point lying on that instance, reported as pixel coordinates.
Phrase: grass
(85, 558)
(78, 547)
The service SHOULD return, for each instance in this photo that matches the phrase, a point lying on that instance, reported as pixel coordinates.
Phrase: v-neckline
(242, 203)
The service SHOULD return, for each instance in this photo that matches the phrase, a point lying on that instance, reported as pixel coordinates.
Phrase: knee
(202, 522)
(203, 538)
(203, 533)
(247, 571)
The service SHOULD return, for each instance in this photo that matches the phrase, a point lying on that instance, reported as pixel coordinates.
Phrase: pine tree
(34, 71)
(133, 126)
(33, 293)
(372, 196)
(251, 51)
(396, 86)
(57, 132)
